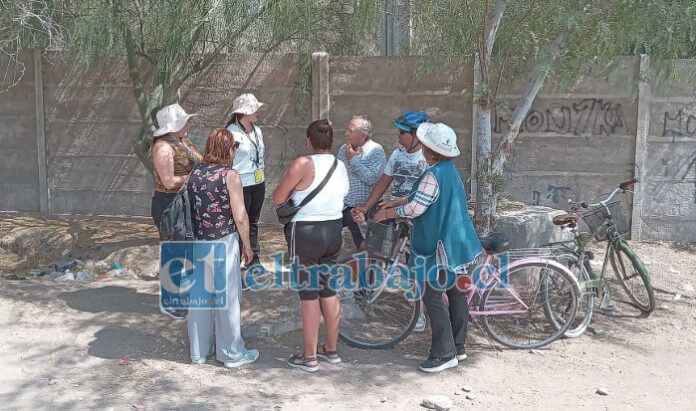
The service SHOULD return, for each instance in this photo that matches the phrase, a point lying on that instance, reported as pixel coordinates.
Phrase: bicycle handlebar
(628, 183)
(622, 187)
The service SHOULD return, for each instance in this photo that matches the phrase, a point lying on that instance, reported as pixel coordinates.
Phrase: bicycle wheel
(514, 314)
(633, 276)
(376, 318)
(585, 307)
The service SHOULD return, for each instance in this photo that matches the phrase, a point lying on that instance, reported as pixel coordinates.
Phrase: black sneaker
(434, 364)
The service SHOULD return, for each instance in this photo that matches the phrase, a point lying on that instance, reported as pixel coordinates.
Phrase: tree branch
(136, 80)
(507, 48)
(498, 12)
(523, 106)
(205, 62)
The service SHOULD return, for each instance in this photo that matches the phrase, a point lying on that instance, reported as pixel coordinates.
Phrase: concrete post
(474, 128)
(321, 101)
(40, 133)
(642, 130)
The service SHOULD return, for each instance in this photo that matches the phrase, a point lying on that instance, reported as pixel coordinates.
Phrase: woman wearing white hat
(248, 162)
(173, 157)
(442, 236)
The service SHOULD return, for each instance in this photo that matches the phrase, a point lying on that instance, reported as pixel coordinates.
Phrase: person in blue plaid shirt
(364, 160)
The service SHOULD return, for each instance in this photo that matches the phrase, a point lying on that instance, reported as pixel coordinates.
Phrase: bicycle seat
(563, 219)
(495, 243)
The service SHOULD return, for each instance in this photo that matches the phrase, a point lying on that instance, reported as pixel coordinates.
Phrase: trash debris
(123, 361)
(67, 276)
(67, 264)
(33, 273)
(602, 391)
(52, 381)
(139, 407)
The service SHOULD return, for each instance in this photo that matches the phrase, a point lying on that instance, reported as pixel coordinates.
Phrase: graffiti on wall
(554, 194)
(679, 124)
(589, 116)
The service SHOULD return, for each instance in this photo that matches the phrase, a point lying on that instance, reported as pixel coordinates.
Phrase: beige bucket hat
(438, 137)
(246, 104)
(171, 118)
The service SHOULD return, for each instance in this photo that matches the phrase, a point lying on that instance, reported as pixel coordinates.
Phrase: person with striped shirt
(442, 236)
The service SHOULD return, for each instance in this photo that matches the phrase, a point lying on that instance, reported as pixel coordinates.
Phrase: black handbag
(287, 210)
(176, 218)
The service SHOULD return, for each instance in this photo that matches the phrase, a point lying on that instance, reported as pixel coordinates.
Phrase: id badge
(258, 175)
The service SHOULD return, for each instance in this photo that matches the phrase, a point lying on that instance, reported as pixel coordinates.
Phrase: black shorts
(352, 227)
(314, 243)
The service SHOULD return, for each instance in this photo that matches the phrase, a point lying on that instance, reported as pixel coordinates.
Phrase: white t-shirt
(327, 205)
(405, 168)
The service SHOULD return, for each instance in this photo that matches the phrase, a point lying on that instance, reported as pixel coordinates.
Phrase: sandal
(329, 356)
(303, 363)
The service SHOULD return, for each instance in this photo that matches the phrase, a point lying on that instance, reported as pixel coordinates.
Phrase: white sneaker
(420, 324)
(249, 357)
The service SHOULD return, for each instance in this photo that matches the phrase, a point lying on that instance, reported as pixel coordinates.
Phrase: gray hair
(364, 125)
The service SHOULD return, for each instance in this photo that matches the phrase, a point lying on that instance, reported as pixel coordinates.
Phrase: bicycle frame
(494, 278)
(474, 309)
(579, 244)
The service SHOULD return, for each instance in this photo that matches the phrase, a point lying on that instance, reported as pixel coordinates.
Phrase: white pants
(223, 327)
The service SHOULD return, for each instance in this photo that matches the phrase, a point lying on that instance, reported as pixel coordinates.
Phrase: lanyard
(256, 143)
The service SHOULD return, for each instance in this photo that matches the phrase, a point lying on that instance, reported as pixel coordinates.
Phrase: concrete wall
(19, 174)
(669, 195)
(577, 142)
(90, 124)
(384, 87)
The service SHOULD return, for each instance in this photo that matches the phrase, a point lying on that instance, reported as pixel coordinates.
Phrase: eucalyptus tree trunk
(485, 206)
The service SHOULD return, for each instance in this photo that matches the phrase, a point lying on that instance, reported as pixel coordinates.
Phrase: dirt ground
(60, 344)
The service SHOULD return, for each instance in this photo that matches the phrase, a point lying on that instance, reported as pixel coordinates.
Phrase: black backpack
(176, 218)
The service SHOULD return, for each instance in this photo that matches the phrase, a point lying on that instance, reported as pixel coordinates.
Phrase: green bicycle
(605, 223)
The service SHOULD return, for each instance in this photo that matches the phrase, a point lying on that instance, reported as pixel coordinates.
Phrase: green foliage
(587, 30)
(171, 42)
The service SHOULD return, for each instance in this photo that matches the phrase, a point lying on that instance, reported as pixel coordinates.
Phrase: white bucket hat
(246, 104)
(438, 137)
(171, 118)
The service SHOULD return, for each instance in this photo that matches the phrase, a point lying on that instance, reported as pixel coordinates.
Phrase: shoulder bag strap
(183, 191)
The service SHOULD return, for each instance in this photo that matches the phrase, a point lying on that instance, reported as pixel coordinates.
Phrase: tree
(26, 24)
(170, 42)
(534, 39)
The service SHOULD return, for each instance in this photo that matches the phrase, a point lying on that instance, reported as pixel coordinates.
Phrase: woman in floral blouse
(218, 214)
